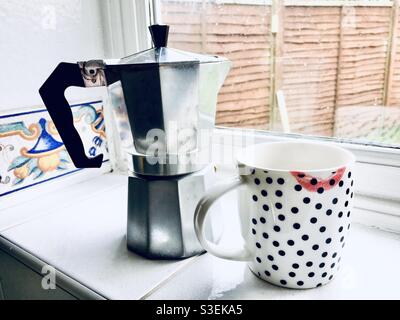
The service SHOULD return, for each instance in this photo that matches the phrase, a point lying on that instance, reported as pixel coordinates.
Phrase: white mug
(295, 201)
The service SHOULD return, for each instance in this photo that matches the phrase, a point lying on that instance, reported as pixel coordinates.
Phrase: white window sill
(81, 233)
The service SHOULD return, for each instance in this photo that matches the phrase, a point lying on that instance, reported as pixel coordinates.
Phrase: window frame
(125, 26)
(378, 165)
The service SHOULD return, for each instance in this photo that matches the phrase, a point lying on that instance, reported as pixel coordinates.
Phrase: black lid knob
(159, 34)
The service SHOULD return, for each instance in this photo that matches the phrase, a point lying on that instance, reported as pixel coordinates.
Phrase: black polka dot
(349, 175)
(324, 275)
(281, 181)
(253, 171)
(352, 194)
(315, 247)
(265, 207)
(253, 231)
(341, 239)
(305, 237)
(283, 282)
(300, 252)
(298, 187)
(301, 175)
(321, 265)
(322, 229)
(281, 217)
(324, 254)
(262, 220)
(290, 243)
(341, 183)
(277, 228)
(258, 245)
(320, 190)
(275, 243)
(335, 200)
(265, 235)
(275, 267)
(255, 198)
(328, 212)
(309, 264)
(296, 226)
(348, 214)
(334, 255)
(267, 273)
(269, 180)
(319, 285)
(329, 240)
(332, 182)
(292, 274)
(311, 274)
(281, 253)
(264, 193)
(352, 182)
(344, 243)
(294, 210)
(278, 205)
(340, 229)
(278, 193)
(340, 214)
(331, 277)
(254, 221)
(347, 191)
(313, 181)
(258, 260)
(300, 283)
(306, 200)
(257, 181)
(313, 220)
(346, 204)
(348, 226)
(270, 258)
(318, 206)
(295, 266)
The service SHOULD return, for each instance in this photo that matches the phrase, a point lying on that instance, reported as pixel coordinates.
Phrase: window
(323, 68)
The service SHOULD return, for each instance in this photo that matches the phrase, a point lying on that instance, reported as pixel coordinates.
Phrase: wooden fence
(332, 61)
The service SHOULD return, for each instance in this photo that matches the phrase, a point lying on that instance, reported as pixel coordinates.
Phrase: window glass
(325, 68)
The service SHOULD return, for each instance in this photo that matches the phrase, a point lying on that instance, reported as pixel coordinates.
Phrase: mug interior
(295, 156)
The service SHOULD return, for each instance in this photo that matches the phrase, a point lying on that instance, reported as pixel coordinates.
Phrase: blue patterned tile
(31, 151)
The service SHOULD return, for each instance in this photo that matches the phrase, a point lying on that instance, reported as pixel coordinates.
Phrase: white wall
(35, 35)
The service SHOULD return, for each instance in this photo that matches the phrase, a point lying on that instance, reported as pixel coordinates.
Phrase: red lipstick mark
(315, 184)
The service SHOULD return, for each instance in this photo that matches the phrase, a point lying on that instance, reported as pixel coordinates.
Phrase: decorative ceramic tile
(31, 150)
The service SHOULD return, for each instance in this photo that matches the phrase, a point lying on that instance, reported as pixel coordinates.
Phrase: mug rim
(242, 162)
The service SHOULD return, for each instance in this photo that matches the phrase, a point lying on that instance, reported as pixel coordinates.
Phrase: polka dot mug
(295, 201)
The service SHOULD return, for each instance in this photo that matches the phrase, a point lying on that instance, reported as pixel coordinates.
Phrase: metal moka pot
(160, 100)
(160, 107)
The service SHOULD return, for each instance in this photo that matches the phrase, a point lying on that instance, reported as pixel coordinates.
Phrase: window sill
(368, 251)
(82, 234)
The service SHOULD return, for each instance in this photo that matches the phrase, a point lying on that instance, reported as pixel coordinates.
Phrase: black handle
(52, 93)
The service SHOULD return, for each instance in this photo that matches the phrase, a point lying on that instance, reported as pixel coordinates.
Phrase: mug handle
(205, 203)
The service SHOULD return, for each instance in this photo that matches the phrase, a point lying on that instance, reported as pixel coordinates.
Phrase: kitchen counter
(80, 231)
